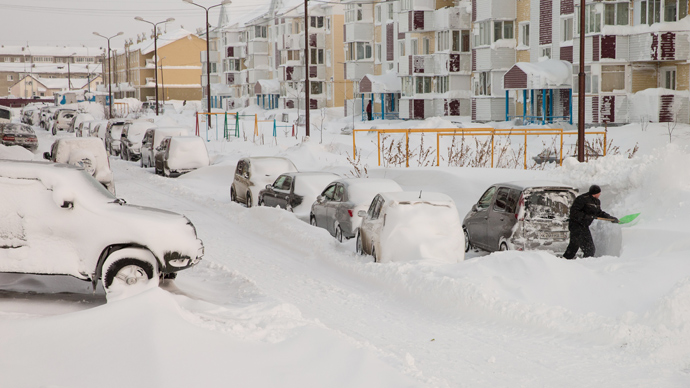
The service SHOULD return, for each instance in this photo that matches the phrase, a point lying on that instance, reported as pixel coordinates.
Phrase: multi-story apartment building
(179, 68)
(17, 62)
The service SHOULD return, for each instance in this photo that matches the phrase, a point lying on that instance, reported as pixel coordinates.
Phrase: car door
(371, 225)
(501, 217)
(333, 209)
(320, 207)
(477, 223)
(283, 193)
(269, 194)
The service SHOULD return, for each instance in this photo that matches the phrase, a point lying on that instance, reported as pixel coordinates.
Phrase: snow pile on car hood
(309, 186)
(363, 190)
(421, 228)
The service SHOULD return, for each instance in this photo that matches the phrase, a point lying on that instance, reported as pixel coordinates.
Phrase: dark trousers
(369, 116)
(580, 238)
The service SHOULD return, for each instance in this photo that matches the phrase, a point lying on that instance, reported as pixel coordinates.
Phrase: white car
(79, 119)
(415, 225)
(62, 119)
(57, 220)
(88, 153)
(178, 155)
(131, 138)
(152, 140)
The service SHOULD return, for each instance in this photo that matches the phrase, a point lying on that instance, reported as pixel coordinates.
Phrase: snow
(309, 185)
(385, 83)
(276, 302)
(187, 153)
(363, 190)
(548, 74)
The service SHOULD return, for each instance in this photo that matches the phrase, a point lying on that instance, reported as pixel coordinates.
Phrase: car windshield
(18, 128)
(548, 204)
(98, 187)
(116, 131)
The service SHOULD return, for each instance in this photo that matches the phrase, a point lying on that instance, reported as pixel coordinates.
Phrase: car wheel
(312, 220)
(289, 208)
(54, 131)
(468, 245)
(338, 234)
(373, 253)
(503, 247)
(166, 171)
(141, 162)
(233, 196)
(261, 201)
(248, 202)
(128, 272)
(358, 245)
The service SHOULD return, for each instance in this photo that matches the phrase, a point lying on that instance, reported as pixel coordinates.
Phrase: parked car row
(12, 134)
(389, 223)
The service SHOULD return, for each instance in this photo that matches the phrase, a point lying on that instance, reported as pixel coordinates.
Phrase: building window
(524, 34)
(612, 78)
(616, 14)
(390, 11)
(378, 14)
(443, 40)
(401, 48)
(545, 52)
(423, 84)
(316, 87)
(259, 31)
(592, 19)
(426, 46)
(414, 47)
(17, 59)
(442, 84)
(668, 78)
(591, 82)
(407, 86)
(566, 29)
(503, 30)
(406, 5)
(316, 21)
(461, 41)
(8, 59)
(10, 77)
(359, 50)
(483, 38)
(378, 52)
(483, 84)
(316, 57)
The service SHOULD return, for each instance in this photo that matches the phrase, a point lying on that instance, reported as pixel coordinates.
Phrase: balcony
(359, 32)
(291, 42)
(496, 9)
(357, 70)
(257, 47)
(451, 19)
(254, 75)
(493, 59)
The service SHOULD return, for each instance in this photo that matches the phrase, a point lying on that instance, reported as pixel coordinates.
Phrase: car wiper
(120, 201)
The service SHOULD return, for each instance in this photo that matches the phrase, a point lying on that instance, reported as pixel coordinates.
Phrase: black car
(520, 216)
(18, 134)
(291, 190)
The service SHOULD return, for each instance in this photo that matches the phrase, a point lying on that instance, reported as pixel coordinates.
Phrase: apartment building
(179, 68)
(18, 62)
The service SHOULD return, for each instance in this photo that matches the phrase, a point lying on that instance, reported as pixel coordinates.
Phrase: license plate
(553, 235)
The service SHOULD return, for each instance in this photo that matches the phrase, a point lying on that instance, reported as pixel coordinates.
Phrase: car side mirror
(269, 186)
(362, 213)
(319, 198)
(46, 155)
(474, 207)
(67, 205)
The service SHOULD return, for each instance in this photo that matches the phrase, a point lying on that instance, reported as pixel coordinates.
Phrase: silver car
(336, 208)
(253, 174)
(520, 216)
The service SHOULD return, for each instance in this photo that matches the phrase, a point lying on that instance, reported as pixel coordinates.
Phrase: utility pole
(110, 71)
(307, 105)
(155, 51)
(581, 90)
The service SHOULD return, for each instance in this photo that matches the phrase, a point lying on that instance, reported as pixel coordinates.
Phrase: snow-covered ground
(278, 303)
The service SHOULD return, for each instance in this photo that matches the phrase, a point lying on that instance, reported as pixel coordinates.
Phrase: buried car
(520, 216)
(296, 191)
(337, 207)
(18, 134)
(177, 155)
(87, 153)
(152, 140)
(406, 225)
(253, 174)
(131, 138)
(57, 220)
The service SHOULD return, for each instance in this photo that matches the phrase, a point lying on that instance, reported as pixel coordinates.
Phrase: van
(520, 216)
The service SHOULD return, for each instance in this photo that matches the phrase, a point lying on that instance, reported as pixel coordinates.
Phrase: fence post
(237, 124)
(525, 149)
(274, 127)
(256, 124)
(197, 123)
(225, 127)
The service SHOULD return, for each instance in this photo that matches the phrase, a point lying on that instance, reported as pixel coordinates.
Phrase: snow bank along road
(506, 319)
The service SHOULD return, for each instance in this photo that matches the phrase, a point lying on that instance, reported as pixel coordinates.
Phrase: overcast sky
(72, 22)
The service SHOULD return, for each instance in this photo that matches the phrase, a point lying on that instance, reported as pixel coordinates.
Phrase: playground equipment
(231, 124)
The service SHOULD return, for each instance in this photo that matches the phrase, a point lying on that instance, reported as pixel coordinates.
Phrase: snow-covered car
(112, 134)
(46, 116)
(31, 114)
(18, 134)
(5, 114)
(407, 226)
(97, 129)
(177, 155)
(57, 220)
(296, 191)
(336, 208)
(253, 174)
(87, 153)
(76, 125)
(152, 140)
(550, 156)
(520, 216)
(62, 119)
(131, 137)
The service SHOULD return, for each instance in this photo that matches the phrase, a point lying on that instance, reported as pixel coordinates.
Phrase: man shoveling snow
(584, 210)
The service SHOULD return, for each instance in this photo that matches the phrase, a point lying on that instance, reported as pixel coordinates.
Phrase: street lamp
(208, 56)
(110, 70)
(155, 51)
(69, 74)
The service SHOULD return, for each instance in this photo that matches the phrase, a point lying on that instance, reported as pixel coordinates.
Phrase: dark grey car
(296, 191)
(336, 208)
(253, 174)
(521, 216)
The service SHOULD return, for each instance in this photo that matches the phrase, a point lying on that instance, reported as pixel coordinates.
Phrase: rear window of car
(506, 200)
(548, 204)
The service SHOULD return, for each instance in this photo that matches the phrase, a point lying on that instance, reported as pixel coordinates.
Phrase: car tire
(468, 244)
(373, 253)
(141, 162)
(54, 131)
(358, 244)
(127, 272)
(312, 220)
(503, 247)
(339, 234)
(289, 208)
(233, 196)
(166, 171)
(261, 202)
(248, 201)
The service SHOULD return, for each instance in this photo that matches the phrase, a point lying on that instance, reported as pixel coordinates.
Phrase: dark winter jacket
(585, 209)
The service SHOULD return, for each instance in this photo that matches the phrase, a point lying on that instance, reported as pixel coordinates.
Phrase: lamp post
(208, 56)
(69, 74)
(110, 70)
(581, 90)
(155, 51)
(163, 79)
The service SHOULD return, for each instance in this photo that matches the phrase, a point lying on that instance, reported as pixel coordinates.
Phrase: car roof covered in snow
(417, 197)
(521, 185)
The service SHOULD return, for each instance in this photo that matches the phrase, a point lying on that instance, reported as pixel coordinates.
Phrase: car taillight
(32, 140)
(349, 211)
(8, 138)
(521, 204)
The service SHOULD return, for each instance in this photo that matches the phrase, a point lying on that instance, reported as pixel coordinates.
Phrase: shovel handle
(606, 219)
